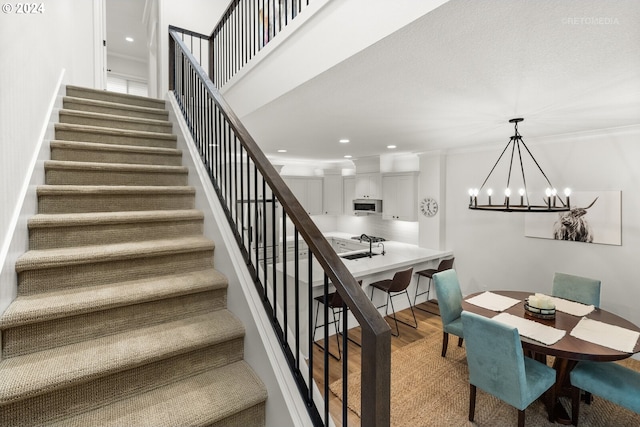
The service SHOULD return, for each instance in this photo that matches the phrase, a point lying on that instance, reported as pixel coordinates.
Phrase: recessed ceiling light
(282, 151)
(344, 141)
(347, 156)
(129, 39)
(391, 147)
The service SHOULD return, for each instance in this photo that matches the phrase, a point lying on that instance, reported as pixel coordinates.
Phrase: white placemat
(492, 301)
(572, 307)
(530, 329)
(606, 335)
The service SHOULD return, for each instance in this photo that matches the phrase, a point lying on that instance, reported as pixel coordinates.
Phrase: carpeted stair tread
(115, 167)
(59, 172)
(121, 98)
(48, 231)
(48, 258)
(111, 120)
(46, 409)
(108, 135)
(37, 373)
(113, 153)
(75, 219)
(41, 307)
(55, 199)
(105, 107)
(200, 400)
(112, 189)
(115, 131)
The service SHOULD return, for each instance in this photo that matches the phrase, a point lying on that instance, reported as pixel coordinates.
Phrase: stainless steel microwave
(367, 206)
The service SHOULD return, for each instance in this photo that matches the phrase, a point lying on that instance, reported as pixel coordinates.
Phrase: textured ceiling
(454, 78)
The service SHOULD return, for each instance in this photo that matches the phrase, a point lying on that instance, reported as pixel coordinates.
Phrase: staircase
(120, 318)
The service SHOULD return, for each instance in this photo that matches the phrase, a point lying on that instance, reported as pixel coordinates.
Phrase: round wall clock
(429, 206)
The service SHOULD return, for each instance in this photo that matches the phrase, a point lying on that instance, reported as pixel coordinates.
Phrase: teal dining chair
(450, 306)
(497, 366)
(608, 380)
(576, 288)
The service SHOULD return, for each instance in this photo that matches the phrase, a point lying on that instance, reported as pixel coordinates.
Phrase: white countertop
(398, 255)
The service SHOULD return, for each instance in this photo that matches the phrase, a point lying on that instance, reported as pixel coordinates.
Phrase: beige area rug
(429, 390)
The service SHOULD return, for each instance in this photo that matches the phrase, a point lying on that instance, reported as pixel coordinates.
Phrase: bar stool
(334, 301)
(396, 286)
(445, 264)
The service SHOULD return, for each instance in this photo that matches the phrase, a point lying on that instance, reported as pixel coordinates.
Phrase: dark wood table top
(568, 347)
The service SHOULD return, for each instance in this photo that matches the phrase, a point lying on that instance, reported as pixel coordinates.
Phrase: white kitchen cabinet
(332, 195)
(400, 196)
(347, 245)
(349, 193)
(355, 245)
(338, 245)
(314, 196)
(368, 186)
(303, 251)
(308, 191)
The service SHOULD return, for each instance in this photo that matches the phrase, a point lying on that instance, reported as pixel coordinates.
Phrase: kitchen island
(398, 256)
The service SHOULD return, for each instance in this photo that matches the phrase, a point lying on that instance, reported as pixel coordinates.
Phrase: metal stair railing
(267, 220)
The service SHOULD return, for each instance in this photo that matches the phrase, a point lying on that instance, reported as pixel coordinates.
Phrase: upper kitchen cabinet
(400, 196)
(332, 195)
(368, 186)
(308, 190)
(349, 193)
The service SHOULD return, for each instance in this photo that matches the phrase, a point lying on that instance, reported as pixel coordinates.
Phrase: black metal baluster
(345, 358)
(285, 286)
(242, 199)
(227, 163)
(264, 231)
(310, 322)
(254, 199)
(296, 284)
(248, 244)
(325, 290)
(210, 137)
(235, 178)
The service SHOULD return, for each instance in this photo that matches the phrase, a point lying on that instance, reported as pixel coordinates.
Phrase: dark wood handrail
(376, 333)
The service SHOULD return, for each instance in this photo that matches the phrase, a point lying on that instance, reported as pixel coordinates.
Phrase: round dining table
(569, 350)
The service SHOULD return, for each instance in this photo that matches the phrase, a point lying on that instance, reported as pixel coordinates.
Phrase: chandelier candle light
(552, 202)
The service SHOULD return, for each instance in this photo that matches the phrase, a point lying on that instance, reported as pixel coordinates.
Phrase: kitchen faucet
(383, 251)
(365, 237)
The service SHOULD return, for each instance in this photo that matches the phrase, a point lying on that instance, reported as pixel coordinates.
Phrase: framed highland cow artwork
(595, 217)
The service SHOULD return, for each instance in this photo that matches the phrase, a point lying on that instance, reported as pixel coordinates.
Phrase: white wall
(196, 15)
(338, 30)
(491, 249)
(432, 184)
(127, 67)
(34, 50)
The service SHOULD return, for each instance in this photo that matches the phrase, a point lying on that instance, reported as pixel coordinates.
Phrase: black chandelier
(552, 201)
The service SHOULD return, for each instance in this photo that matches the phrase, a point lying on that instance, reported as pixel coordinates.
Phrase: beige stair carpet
(121, 317)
